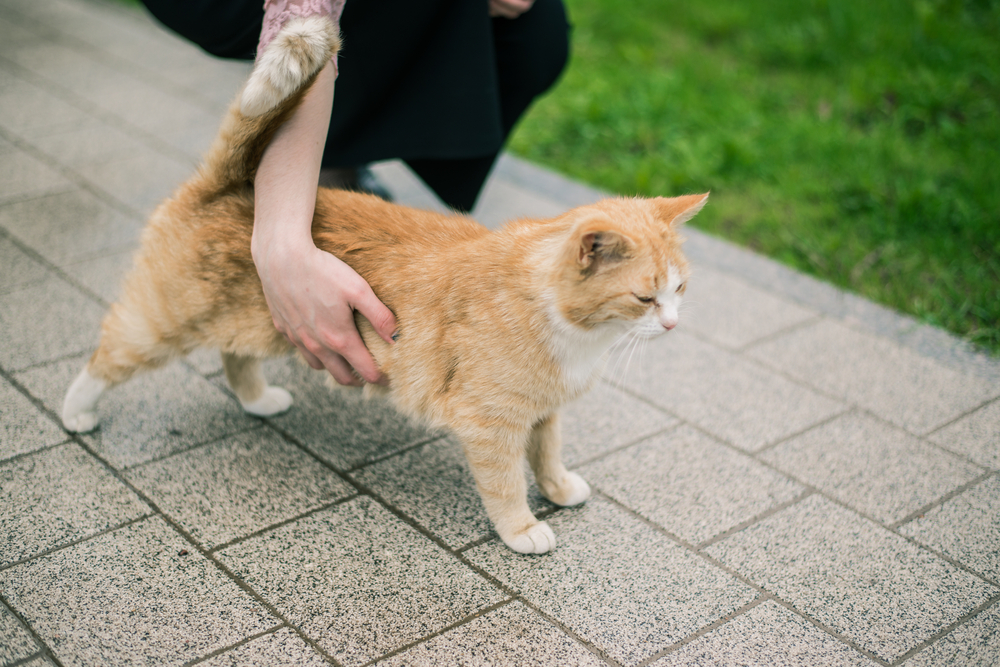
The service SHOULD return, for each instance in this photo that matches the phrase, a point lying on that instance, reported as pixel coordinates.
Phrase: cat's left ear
(675, 211)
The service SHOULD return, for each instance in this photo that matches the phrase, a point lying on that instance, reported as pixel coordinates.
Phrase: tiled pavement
(793, 477)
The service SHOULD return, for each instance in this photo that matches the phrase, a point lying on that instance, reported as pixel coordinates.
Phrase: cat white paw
(273, 401)
(571, 490)
(82, 422)
(537, 539)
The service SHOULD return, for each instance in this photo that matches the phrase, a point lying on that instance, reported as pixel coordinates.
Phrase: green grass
(858, 141)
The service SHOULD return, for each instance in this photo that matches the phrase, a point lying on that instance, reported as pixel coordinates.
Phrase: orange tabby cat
(497, 330)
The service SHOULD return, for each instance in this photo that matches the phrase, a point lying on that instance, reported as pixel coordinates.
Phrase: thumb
(378, 314)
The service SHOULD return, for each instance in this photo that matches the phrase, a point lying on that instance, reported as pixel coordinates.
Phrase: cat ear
(675, 211)
(596, 243)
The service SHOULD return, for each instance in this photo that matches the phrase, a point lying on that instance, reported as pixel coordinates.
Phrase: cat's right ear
(675, 211)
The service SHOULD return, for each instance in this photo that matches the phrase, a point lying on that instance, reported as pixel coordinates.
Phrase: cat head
(621, 265)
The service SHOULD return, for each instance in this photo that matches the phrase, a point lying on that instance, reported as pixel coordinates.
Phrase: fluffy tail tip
(301, 49)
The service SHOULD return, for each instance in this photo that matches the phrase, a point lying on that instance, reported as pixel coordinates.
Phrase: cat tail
(280, 78)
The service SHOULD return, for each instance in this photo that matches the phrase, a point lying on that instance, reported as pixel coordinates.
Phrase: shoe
(356, 179)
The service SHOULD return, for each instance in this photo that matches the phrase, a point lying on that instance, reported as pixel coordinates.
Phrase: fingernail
(395, 336)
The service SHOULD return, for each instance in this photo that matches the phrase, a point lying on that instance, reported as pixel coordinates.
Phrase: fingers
(376, 312)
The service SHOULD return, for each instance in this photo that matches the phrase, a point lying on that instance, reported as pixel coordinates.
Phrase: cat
(497, 329)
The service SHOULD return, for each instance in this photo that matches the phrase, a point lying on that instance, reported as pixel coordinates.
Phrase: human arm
(509, 9)
(312, 295)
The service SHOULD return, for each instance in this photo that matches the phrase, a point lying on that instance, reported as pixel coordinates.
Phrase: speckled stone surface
(16, 268)
(872, 466)
(966, 527)
(433, 484)
(604, 419)
(16, 643)
(150, 416)
(23, 427)
(22, 174)
(358, 580)
(44, 321)
(338, 425)
(616, 582)
(690, 484)
(768, 635)
(56, 496)
(976, 436)
(238, 485)
(276, 649)
(103, 111)
(731, 398)
(871, 585)
(511, 636)
(731, 313)
(974, 644)
(129, 593)
(69, 226)
(896, 384)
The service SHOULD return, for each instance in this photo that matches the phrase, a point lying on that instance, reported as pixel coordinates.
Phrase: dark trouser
(436, 83)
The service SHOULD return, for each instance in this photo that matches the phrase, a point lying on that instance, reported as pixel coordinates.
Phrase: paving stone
(40, 661)
(433, 485)
(22, 174)
(768, 635)
(502, 201)
(731, 313)
(616, 582)
(23, 427)
(16, 643)
(283, 647)
(604, 419)
(141, 181)
(877, 469)
(338, 425)
(57, 496)
(151, 416)
(82, 147)
(237, 486)
(103, 275)
(16, 268)
(872, 586)
(689, 484)
(896, 384)
(46, 320)
(358, 580)
(70, 226)
(129, 597)
(976, 435)
(731, 398)
(30, 111)
(974, 644)
(511, 636)
(966, 527)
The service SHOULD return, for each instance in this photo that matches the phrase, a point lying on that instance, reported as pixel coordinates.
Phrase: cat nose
(668, 324)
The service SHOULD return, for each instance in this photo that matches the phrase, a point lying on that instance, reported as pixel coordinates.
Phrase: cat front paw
(81, 422)
(536, 539)
(569, 490)
(273, 401)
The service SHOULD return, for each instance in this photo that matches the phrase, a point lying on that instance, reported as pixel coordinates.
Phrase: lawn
(857, 141)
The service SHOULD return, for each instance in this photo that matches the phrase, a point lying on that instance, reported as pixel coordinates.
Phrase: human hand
(509, 9)
(312, 296)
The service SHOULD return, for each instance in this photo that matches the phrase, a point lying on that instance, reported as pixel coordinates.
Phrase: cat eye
(680, 287)
(644, 299)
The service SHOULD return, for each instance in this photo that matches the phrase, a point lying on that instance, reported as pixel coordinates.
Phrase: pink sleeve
(277, 13)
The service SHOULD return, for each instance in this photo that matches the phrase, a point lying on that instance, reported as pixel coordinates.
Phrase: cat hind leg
(248, 383)
(118, 358)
